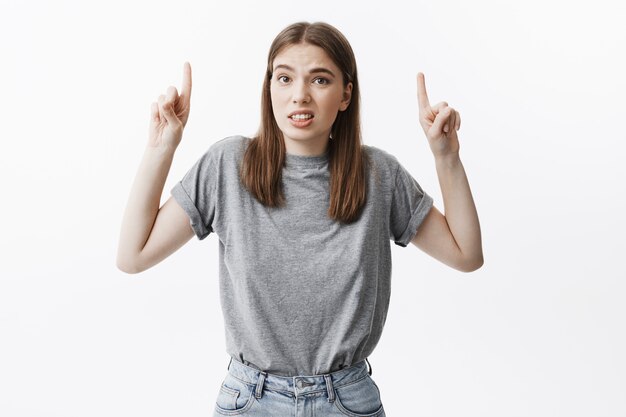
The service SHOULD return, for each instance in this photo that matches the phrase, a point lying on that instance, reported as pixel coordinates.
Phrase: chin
(300, 135)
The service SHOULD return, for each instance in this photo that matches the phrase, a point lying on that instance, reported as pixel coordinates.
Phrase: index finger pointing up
(422, 97)
(185, 92)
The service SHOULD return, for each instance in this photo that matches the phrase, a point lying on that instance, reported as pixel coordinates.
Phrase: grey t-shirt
(301, 294)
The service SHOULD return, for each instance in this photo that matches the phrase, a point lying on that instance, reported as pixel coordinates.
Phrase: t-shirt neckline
(306, 160)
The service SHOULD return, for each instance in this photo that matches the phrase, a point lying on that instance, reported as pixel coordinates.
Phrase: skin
(440, 123)
(299, 88)
(453, 238)
(150, 234)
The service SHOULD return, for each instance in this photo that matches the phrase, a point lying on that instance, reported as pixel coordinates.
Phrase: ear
(347, 95)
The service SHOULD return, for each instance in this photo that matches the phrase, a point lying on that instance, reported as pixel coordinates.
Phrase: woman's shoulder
(224, 152)
(381, 158)
(229, 149)
(229, 144)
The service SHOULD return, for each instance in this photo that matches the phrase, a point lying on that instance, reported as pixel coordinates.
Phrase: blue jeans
(247, 391)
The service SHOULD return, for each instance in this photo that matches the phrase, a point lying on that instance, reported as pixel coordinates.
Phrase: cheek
(275, 91)
(334, 101)
(278, 102)
(332, 107)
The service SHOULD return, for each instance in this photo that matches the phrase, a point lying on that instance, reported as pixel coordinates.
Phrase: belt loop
(329, 388)
(370, 365)
(259, 385)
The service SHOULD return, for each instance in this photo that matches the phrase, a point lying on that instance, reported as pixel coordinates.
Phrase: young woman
(305, 214)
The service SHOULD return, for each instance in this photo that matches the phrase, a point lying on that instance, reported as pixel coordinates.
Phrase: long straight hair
(264, 158)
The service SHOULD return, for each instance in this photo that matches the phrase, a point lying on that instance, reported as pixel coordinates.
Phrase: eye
(325, 81)
(280, 77)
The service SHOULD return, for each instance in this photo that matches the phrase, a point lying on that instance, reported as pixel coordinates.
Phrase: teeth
(301, 116)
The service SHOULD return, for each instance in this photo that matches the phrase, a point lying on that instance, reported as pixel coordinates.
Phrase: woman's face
(306, 81)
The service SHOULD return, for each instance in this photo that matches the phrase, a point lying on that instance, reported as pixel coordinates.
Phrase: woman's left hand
(440, 123)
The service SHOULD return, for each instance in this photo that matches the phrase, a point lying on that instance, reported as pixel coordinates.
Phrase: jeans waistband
(300, 384)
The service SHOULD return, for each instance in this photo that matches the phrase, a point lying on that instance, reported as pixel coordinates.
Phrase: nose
(301, 92)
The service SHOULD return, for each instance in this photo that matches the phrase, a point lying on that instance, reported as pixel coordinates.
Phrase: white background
(537, 331)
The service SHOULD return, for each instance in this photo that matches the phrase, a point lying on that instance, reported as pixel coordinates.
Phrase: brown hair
(261, 169)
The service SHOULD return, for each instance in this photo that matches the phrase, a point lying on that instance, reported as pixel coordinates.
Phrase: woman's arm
(455, 238)
(150, 234)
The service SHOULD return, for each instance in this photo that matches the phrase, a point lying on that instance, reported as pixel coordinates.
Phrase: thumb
(168, 112)
(441, 119)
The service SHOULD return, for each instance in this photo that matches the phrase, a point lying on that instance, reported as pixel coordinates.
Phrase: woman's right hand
(169, 115)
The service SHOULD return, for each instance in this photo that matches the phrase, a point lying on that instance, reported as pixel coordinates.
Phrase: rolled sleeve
(195, 218)
(418, 216)
(409, 207)
(196, 193)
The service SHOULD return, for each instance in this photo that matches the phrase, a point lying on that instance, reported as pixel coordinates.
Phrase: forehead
(305, 56)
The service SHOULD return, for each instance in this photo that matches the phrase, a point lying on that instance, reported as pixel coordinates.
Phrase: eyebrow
(314, 70)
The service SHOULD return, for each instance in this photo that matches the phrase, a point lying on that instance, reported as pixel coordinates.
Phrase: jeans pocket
(360, 398)
(234, 397)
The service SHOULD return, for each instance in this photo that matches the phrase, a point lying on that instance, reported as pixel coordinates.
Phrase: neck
(306, 148)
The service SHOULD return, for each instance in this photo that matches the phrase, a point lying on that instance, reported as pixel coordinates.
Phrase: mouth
(300, 116)
(300, 120)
